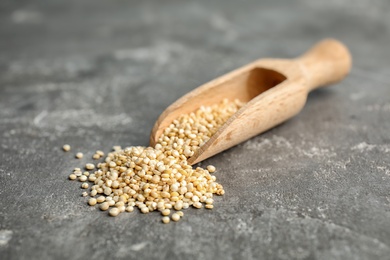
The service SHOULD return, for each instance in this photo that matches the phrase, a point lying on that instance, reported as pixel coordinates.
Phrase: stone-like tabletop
(98, 73)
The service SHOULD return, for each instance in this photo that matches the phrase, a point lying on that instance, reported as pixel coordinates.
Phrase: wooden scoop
(274, 89)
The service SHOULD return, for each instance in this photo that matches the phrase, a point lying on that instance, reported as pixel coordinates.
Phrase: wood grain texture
(274, 89)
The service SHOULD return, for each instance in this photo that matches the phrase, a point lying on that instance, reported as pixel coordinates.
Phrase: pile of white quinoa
(158, 178)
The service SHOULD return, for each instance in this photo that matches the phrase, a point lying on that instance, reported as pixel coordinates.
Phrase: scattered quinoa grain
(66, 147)
(119, 204)
(209, 206)
(175, 217)
(145, 210)
(93, 193)
(107, 191)
(116, 148)
(92, 201)
(211, 168)
(165, 220)
(100, 199)
(72, 177)
(209, 201)
(85, 185)
(114, 212)
(195, 199)
(78, 173)
(104, 206)
(89, 166)
(83, 178)
(197, 205)
(178, 205)
(79, 155)
(84, 194)
(166, 212)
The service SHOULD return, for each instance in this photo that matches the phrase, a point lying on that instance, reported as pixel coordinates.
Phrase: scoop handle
(326, 62)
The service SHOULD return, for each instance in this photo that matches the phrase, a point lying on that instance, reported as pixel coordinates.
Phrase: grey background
(98, 73)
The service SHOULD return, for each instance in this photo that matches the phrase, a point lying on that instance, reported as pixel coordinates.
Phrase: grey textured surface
(98, 73)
